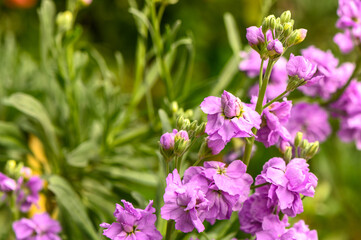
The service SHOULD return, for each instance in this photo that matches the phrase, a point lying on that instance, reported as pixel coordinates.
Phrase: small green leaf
(31, 107)
(71, 203)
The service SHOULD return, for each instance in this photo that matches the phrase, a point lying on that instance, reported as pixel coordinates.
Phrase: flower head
(185, 203)
(273, 128)
(314, 126)
(300, 67)
(327, 65)
(287, 183)
(275, 48)
(132, 223)
(41, 226)
(228, 118)
(255, 36)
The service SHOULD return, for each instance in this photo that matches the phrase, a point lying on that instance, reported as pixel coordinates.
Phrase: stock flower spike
(40, 227)
(228, 118)
(132, 223)
(315, 126)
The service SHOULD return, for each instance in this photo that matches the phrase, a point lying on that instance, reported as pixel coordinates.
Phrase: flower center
(221, 171)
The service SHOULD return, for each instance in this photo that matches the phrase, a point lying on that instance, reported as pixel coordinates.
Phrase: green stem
(261, 74)
(275, 99)
(166, 168)
(169, 231)
(259, 108)
(259, 185)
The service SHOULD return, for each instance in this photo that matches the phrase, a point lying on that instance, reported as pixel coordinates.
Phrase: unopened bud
(296, 37)
(287, 29)
(313, 150)
(179, 123)
(64, 20)
(305, 144)
(285, 16)
(86, 2)
(272, 23)
(278, 30)
(174, 107)
(200, 129)
(298, 139)
(288, 154)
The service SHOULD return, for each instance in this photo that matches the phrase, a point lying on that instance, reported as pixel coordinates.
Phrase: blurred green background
(108, 28)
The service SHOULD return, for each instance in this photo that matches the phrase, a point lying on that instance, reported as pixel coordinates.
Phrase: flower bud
(231, 105)
(180, 121)
(255, 38)
(174, 107)
(288, 154)
(275, 48)
(296, 37)
(86, 2)
(300, 70)
(298, 139)
(272, 23)
(304, 144)
(200, 129)
(285, 16)
(167, 141)
(64, 20)
(312, 150)
(278, 30)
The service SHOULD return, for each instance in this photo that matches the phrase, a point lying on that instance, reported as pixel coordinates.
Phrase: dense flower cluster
(274, 119)
(283, 185)
(228, 118)
(41, 226)
(132, 223)
(327, 65)
(311, 120)
(26, 188)
(287, 183)
(349, 12)
(348, 108)
(205, 193)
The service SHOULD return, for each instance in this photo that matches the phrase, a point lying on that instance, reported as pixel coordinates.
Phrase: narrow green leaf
(31, 107)
(227, 74)
(166, 126)
(81, 155)
(71, 203)
(232, 33)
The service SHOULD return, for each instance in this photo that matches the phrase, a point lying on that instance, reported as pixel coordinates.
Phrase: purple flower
(300, 231)
(6, 184)
(349, 12)
(185, 203)
(27, 192)
(228, 118)
(311, 120)
(232, 179)
(350, 101)
(275, 48)
(344, 41)
(274, 118)
(301, 67)
(327, 65)
(272, 228)
(225, 188)
(167, 139)
(132, 223)
(287, 183)
(255, 36)
(254, 209)
(350, 129)
(41, 226)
